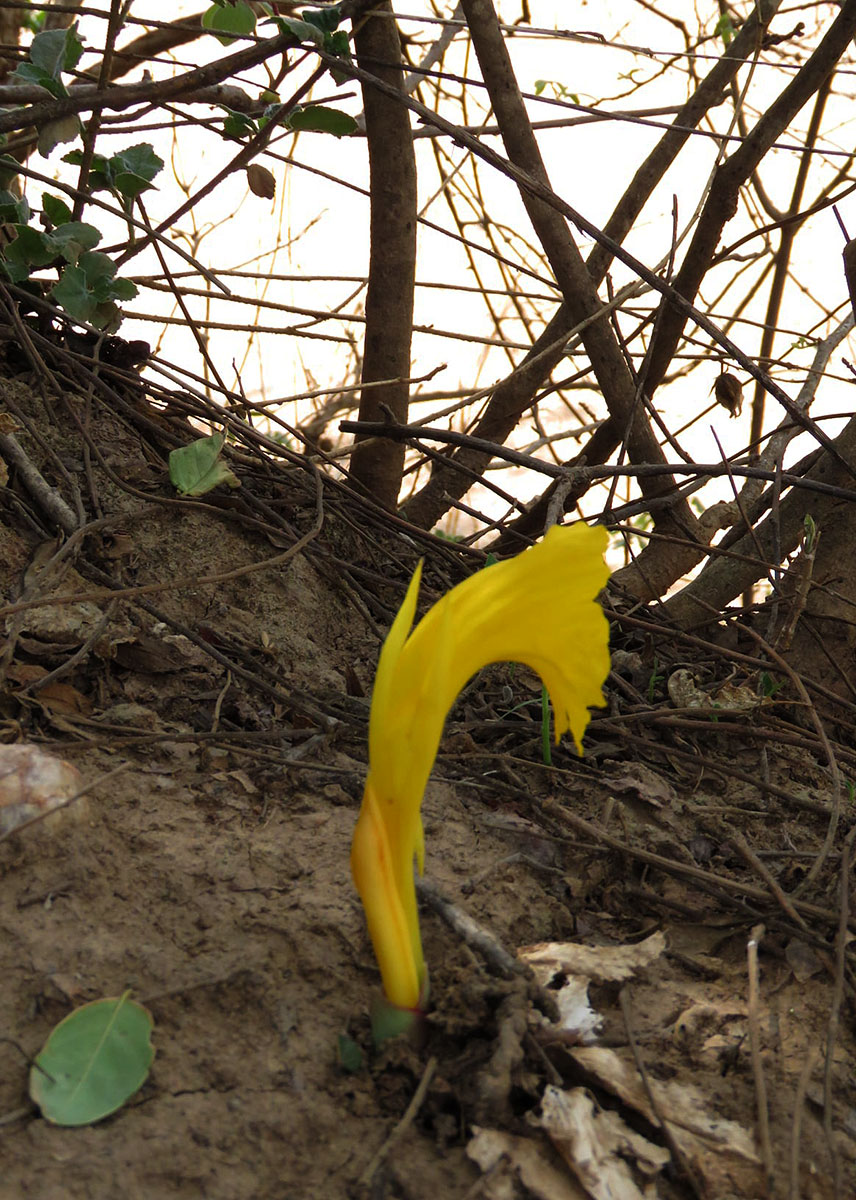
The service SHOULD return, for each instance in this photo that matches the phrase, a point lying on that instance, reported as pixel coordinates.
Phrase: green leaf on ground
(197, 468)
(93, 1062)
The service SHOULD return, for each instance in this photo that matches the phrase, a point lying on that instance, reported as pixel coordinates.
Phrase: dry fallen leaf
(504, 1158)
(602, 1151)
(605, 964)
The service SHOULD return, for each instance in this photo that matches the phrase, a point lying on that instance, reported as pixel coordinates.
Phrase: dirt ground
(217, 706)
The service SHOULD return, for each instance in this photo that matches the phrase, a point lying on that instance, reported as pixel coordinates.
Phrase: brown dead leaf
(722, 1152)
(598, 1146)
(25, 673)
(63, 698)
(505, 1158)
(803, 960)
(601, 964)
(644, 782)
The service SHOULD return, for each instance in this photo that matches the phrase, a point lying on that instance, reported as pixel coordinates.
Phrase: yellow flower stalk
(540, 609)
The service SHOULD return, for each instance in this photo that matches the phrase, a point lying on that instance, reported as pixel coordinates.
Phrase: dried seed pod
(261, 181)
(729, 393)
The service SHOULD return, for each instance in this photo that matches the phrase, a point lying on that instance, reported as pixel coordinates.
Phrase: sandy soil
(210, 875)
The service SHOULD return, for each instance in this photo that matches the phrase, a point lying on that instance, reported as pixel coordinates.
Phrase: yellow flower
(539, 609)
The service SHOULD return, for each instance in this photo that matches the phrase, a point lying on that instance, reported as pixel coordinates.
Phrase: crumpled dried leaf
(644, 782)
(722, 1152)
(505, 1158)
(684, 692)
(803, 960)
(603, 964)
(581, 965)
(603, 1152)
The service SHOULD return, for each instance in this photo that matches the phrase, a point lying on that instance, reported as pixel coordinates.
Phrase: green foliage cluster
(87, 288)
(231, 19)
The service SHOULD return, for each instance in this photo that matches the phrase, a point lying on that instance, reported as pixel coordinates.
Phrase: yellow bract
(540, 609)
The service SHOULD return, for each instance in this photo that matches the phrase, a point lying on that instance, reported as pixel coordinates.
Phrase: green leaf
(724, 28)
(197, 468)
(302, 30)
(88, 289)
(99, 169)
(35, 22)
(30, 247)
(74, 294)
(338, 44)
(98, 267)
(237, 124)
(73, 238)
(56, 50)
(54, 133)
(123, 289)
(29, 73)
(86, 285)
(127, 173)
(10, 169)
(14, 210)
(229, 21)
(106, 316)
(93, 1062)
(56, 210)
(325, 19)
(546, 752)
(138, 160)
(318, 119)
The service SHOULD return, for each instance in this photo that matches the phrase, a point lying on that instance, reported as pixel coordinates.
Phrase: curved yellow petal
(391, 927)
(539, 609)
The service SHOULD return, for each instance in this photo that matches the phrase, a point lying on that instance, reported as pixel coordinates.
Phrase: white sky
(316, 227)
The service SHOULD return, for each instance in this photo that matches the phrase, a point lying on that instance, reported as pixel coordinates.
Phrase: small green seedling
(769, 686)
(654, 679)
(349, 1054)
(93, 1062)
(546, 749)
(197, 468)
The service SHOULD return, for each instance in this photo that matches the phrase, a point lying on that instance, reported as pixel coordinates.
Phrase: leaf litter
(211, 878)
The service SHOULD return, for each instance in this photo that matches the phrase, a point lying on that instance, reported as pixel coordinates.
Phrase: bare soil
(210, 874)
